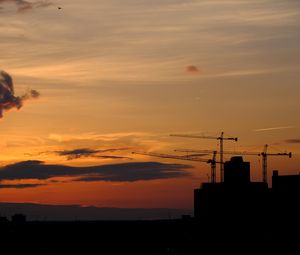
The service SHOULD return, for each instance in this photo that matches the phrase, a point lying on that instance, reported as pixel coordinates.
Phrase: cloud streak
(273, 128)
(23, 5)
(85, 152)
(91, 136)
(292, 140)
(126, 172)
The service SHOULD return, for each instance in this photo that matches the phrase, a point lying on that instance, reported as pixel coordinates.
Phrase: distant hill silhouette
(41, 212)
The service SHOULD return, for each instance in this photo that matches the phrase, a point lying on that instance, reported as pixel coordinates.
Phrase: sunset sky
(122, 75)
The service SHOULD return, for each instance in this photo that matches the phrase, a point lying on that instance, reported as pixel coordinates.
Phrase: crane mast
(214, 168)
(264, 155)
(264, 164)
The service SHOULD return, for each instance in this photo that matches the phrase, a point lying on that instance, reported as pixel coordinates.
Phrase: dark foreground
(186, 236)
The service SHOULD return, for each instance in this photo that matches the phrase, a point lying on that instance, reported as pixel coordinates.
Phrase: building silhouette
(18, 218)
(286, 196)
(285, 184)
(3, 220)
(238, 198)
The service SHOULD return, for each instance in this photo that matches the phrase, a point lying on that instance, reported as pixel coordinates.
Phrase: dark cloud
(192, 69)
(77, 153)
(7, 98)
(23, 5)
(85, 152)
(126, 172)
(292, 141)
(19, 186)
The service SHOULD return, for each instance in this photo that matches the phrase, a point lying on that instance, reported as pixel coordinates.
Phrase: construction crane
(263, 154)
(212, 161)
(214, 152)
(222, 139)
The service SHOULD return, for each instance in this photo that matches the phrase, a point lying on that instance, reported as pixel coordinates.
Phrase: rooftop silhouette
(239, 197)
(237, 216)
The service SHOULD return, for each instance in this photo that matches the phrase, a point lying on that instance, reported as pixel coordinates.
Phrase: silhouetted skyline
(120, 76)
(235, 216)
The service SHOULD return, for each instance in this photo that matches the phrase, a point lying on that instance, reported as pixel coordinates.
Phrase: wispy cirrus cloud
(94, 136)
(111, 141)
(23, 5)
(126, 172)
(294, 140)
(273, 128)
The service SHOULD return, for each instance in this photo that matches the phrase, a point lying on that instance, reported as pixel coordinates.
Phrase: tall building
(237, 172)
(236, 197)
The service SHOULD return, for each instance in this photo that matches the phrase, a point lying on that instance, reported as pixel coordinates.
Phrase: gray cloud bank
(126, 172)
(19, 186)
